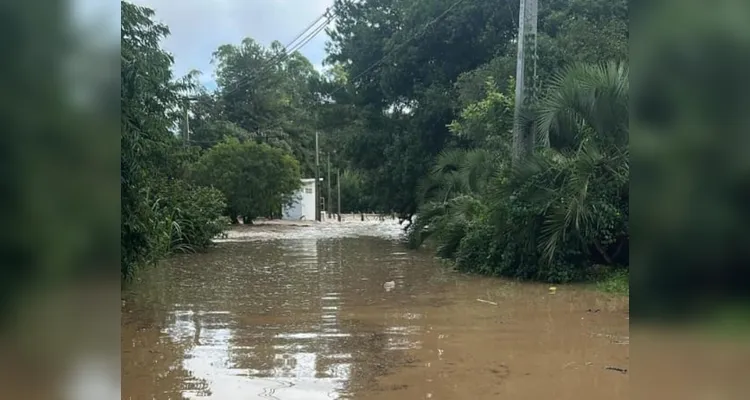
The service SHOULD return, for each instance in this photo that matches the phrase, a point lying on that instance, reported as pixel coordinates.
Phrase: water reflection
(303, 314)
(273, 318)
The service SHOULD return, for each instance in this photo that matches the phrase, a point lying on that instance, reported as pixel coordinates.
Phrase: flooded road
(303, 313)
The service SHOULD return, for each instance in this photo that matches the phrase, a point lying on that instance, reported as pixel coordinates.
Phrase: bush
(477, 250)
(199, 215)
(552, 220)
(616, 282)
(556, 212)
(255, 178)
(173, 216)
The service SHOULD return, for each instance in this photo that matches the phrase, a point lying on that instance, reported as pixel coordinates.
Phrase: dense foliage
(263, 95)
(395, 116)
(416, 111)
(430, 130)
(256, 178)
(160, 213)
(560, 212)
(248, 144)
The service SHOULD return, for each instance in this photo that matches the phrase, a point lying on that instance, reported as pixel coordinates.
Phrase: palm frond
(591, 95)
(477, 168)
(448, 161)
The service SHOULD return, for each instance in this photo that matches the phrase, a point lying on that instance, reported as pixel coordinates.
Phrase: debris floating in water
(487, 301)
(552, 290)
(622, 370)
(388, 286)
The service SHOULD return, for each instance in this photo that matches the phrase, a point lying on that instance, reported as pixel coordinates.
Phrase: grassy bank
(617, 282)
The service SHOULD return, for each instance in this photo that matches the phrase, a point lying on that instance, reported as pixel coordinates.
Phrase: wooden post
(317, 179)
(329, 200)
(338, 185)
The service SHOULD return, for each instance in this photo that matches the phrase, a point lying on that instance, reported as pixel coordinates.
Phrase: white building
(303, 207)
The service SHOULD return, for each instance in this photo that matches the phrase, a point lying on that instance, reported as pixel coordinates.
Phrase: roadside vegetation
(617, 282)
(426, 135)
(554, 215)
(176, 196)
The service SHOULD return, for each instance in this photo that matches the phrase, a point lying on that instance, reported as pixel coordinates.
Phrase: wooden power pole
(329, 200)
(317, 179)
(338, 187)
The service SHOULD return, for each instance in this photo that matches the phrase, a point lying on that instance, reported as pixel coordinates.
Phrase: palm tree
(583, 178)
(459, 172)
(450, 197)
(585, 102)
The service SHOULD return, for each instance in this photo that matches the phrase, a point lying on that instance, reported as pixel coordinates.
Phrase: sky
(199, 27)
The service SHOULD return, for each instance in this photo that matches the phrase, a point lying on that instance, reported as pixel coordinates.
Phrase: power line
(325, 13)
(368, 69)
(274, 61)
(286, 51)
(314, 33)
(444, 13)
(392, 51)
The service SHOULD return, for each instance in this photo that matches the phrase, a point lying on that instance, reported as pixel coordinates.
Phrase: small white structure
(303, 207)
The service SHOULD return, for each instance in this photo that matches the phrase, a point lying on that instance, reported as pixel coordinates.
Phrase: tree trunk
(602, 252)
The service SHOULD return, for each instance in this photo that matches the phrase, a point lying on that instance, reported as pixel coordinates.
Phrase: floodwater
(343, 311)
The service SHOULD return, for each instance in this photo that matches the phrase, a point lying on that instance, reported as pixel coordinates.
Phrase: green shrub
(255, 177)
(556, 212)
(477, 250)
(173, 216)
(552, 221)
(615, 282)
(559, 216)
(199, 214)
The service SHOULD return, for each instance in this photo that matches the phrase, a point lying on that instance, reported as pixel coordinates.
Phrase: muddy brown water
(302, 313)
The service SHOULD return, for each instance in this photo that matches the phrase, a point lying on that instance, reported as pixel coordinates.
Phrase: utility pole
(317, 179)
(523, 142)
(329, 203)
(186, 136)
(338, 186)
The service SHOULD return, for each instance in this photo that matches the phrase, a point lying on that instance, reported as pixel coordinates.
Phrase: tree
(451, 197)
(554, 215)
(587, 31)
(256, 178)
(160, 213)
(408, 77)
(589, 105)
(408, 100)
(575, 194)
(267, 93)
(586, 102)
(147, 93)
(353, 198)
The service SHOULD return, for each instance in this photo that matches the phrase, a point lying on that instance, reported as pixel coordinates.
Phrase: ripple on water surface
(302, 313)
